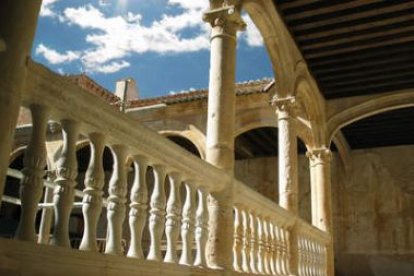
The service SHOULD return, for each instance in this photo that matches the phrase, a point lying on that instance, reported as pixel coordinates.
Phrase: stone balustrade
(165, 215)
(267, 239)
(270, 240)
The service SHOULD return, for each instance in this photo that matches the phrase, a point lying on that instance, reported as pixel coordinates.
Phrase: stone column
(288, 169)
(288, 155)
(18, 20)
(320, 169)
(225, 21)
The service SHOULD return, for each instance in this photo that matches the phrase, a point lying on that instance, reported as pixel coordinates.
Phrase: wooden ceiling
(360, 47)
(354, 47)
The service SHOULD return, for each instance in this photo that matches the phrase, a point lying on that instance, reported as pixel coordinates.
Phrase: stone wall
(261, 175)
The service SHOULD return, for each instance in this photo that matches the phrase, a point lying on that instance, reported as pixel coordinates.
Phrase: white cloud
(47, 8)
(54, 57)
(252, 34)
(114, 38)
(111, 39)
(190, 4)
(111, 67)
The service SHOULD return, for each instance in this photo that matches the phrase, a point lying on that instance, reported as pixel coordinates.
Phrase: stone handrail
(52, 97)
(270, 240)
(69, 102)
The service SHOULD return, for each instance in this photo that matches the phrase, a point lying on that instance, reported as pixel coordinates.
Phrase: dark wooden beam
(294, 4)
(376, 78)
(396, 7)
(374, 87)
(364, 55)
(329, 9)
(315, 34)
(360, 39)
(361, 71)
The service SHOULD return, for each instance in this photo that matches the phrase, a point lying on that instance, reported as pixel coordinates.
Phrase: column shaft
(288, 170)
(320, 166)
(18, 20)
(288, 155)
(225, 22)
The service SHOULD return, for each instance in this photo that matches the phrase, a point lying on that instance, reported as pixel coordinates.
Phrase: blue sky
(162, 44)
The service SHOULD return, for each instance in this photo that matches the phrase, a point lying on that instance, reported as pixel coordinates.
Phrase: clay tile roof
(244, 88)
(88, 84)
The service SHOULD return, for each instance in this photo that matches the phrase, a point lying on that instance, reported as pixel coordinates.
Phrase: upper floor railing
(270, 240)
(267, 239)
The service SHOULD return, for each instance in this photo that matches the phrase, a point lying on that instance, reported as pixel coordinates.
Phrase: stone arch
(268, 23)
(193, 135)
(258, 118)
(307, 92)
(369, 108)
(16, 153)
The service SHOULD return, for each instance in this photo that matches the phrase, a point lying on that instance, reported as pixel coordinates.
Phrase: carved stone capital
(319, 156)
(285, 107)
(227, 18)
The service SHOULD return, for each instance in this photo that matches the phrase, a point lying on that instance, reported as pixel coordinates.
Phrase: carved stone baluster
(317, 260)
(306, 259)
(66, 172)
(187, 226)
(92, 200)
(31, 188)
(157, 213)
(313, 258)
(272, 248)
(285, 252)
(301, 256)
(137, 213)
(266, 240)
(238, 238)
(116, 200)
(172, 226)
(289, 251)
(246, 242)
(253, 243)
(260, 253)
(279, 249)
(201, 228)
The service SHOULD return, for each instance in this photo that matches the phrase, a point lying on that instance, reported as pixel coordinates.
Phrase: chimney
(126, 90)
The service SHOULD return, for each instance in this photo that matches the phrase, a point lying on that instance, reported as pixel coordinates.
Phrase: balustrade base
(26, 258)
